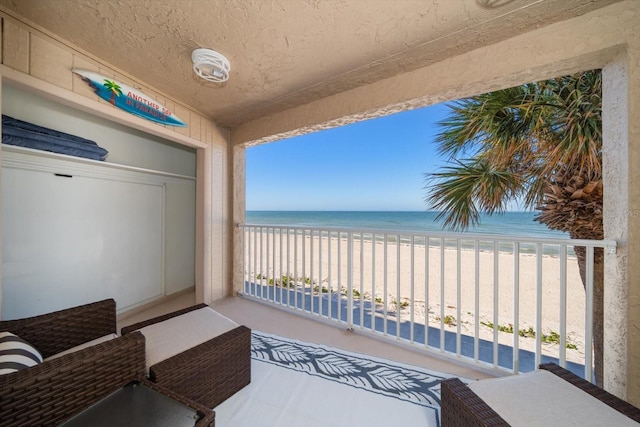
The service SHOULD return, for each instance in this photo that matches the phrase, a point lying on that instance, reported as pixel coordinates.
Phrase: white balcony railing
(504, 301)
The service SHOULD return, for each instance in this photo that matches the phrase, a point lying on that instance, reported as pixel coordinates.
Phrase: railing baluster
(413, 292)
(398, 303)
(329, 278)
(427, 250)
(516, 307)
(281, 261)
(588, 336)
(246, 260)
(350, 280)
(255, 262)
(304, 271)
(562, 355)
(262, 257)
(288, 269)
(273, 264)
(385, 296)
(340, 275)
(538, 351)
(458, 298)
(295, 269)
(476, 337)
(361, 297)
(311, 265)
(496, 307)
(373, 282)
(442, 301)
(320, 280)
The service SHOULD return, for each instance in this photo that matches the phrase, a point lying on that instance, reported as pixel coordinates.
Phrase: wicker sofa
(208, 373)
(56, 390)
(460, 406)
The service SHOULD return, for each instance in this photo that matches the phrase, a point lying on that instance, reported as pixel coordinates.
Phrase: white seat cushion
(83, 346)
(541, 398)
(173, 336)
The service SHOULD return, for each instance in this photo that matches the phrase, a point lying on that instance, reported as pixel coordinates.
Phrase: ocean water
(508, 223)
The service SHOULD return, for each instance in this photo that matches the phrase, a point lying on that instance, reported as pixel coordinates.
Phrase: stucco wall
(38, 62)
(594, 40)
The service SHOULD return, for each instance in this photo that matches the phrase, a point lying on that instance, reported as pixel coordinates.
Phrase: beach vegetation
(286, 281)
(320, 289)
(539, 143)
(399, 306)
(449, 320)
(552, 338)
(356, 293)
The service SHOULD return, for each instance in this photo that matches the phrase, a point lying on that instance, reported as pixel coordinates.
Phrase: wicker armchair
(61, 330)
(460, 406)
(55, 390)
(208, 373)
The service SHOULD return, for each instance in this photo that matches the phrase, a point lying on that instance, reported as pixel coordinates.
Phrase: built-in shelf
(35, 154)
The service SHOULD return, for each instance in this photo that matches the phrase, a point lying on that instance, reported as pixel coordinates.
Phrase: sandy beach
(426, 283)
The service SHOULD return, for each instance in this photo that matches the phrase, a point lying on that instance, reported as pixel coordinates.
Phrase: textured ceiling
(283, 53)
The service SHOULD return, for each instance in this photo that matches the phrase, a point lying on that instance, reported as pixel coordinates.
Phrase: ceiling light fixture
(210, 65)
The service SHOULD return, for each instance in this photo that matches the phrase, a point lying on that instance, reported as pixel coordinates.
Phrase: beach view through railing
(508, 302)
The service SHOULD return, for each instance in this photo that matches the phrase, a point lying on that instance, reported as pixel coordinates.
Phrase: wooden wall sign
(129, 99)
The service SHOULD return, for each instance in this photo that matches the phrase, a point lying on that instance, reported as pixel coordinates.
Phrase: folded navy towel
(25, 134)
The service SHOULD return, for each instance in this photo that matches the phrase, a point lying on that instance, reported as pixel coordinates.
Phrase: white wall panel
(79, 237)
(75, 231)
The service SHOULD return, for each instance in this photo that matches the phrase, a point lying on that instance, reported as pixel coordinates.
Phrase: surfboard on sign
(129, 99)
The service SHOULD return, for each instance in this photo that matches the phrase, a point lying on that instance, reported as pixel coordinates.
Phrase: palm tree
(114, 88)
(541, 143)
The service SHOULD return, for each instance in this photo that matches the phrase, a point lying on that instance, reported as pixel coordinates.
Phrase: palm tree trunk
(598, 305)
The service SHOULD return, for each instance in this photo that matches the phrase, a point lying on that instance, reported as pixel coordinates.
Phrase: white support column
(238, 214)
(617, 209)
(203, 225)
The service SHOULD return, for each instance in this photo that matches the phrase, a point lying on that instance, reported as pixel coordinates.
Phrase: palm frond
(462, 190)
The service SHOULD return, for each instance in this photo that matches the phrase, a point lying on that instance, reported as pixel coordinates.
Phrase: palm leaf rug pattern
(407, 383)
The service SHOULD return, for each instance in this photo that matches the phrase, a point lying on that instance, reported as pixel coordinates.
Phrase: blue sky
(374, 165)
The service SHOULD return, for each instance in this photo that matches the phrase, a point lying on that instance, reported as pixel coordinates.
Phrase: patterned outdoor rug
(302, 384)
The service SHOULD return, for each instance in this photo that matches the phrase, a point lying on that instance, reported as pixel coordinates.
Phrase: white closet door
(68, 240)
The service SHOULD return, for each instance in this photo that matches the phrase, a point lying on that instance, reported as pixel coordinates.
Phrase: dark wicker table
(142, 404)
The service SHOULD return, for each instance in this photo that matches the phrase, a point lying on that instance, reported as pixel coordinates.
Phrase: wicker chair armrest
(605, 397)
(461, 407)
(226, 359)
(61, 330)
(140, 325)
(56, 390)
(207, 416)
(192, 361)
